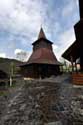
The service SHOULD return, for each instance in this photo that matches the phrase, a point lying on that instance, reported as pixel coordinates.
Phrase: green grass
(13, 86)
(3, 93)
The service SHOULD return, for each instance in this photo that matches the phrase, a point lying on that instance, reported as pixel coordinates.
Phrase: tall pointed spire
(41, 34)
(81, 8)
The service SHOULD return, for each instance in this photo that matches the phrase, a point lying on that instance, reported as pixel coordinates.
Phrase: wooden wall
(40, 70)
(42, 44)
(77, 78)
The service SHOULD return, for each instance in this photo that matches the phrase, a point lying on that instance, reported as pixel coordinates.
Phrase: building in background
(75, 51)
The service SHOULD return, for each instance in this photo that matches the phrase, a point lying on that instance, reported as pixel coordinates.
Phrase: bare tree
(22, 56)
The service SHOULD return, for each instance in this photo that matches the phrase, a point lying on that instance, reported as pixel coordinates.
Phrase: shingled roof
(73, 51)
(43, 56)
(41, 34)
(41, 37)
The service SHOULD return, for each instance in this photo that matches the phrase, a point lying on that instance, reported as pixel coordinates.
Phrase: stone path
(39, 102)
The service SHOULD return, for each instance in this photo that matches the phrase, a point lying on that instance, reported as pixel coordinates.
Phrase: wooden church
(42, 62)
(75, 51)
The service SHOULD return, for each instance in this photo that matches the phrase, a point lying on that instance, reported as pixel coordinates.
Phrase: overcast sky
(21, 20)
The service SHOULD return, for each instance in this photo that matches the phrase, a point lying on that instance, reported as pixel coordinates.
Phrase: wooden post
(72, 64)
(81, 8)
(76, 66)
(10, 81)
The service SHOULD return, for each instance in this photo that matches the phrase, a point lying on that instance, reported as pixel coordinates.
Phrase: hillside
(5, 64)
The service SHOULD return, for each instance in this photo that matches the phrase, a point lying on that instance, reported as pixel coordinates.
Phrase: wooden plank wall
(77, 78)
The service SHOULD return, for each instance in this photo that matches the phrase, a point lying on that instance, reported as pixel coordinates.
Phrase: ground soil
(52, 100)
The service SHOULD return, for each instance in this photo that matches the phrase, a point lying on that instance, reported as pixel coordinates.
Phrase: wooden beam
(72, 64)
(76, 66)
(81, 8)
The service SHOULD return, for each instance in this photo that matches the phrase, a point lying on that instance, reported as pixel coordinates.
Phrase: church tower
(42, 41)
(42, 62)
